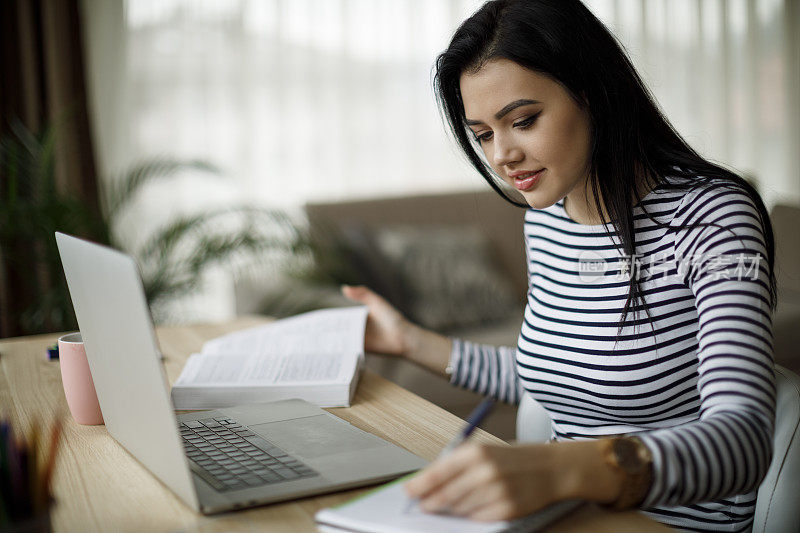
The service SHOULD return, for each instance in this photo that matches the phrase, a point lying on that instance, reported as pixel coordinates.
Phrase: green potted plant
(172, 260)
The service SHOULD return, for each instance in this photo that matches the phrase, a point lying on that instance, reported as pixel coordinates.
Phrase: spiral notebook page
(385, 510)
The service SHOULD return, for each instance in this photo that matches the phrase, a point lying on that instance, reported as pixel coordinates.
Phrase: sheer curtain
(301, 100)
(296, 99)
(726, 73)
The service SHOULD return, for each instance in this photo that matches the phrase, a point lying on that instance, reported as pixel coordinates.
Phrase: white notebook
(386, 510)
(315, 356)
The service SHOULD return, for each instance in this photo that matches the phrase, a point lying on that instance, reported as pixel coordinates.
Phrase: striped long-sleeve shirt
(694, 380)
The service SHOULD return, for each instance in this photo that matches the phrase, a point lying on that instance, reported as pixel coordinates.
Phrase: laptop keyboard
(228, 456)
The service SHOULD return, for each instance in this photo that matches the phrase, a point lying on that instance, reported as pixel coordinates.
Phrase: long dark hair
(631, 138)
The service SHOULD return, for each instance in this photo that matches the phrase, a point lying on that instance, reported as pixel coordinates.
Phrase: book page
(243, 369)
(333, 331)
(316, 347)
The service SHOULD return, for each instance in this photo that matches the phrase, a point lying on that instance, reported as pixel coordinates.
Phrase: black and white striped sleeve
(487, 370)
(728, 449)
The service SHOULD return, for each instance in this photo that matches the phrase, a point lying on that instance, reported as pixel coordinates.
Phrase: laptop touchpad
(315, 436)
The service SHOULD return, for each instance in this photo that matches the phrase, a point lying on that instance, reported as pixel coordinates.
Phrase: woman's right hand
(387, 329)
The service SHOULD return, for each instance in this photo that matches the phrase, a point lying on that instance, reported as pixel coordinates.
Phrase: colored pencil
(26, 471)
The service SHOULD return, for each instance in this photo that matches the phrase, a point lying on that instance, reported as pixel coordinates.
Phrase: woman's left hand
(498, 482)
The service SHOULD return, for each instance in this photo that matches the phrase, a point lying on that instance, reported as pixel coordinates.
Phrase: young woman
(647, 331)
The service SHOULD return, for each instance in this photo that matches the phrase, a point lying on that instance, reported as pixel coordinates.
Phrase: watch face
(627, 455)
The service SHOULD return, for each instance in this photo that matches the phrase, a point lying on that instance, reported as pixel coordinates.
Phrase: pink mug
(77, 380)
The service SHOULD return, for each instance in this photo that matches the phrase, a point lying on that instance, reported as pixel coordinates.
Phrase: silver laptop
(213, 460)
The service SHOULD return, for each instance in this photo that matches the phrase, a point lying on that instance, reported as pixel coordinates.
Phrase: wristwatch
(632, 458)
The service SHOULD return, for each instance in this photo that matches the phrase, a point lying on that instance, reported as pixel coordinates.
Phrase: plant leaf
(122, 190)
(174, 259)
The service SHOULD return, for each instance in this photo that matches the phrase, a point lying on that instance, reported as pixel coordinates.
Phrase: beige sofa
(786, 320)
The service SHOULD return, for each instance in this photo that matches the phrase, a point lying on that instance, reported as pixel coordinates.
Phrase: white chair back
(778, 503)
(533, 421)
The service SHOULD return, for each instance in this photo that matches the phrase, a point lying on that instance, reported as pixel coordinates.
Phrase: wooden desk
(100, 487)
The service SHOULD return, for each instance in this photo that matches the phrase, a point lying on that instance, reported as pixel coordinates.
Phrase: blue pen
(474, 419)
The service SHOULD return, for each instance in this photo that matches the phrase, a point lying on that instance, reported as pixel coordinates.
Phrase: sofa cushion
(441, 276)
(484, 209)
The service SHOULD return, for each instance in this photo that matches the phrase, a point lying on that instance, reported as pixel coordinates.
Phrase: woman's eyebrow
(506, 110)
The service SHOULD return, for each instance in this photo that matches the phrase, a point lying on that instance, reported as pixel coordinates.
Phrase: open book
(315, 356)
(386, 510)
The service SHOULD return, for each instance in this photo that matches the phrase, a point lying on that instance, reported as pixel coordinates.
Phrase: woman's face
(533, 133)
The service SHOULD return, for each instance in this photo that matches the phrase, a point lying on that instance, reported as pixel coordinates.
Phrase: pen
(47, 475)
(5, 478)
(32, 468)
(474, 419)
(15, 475)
